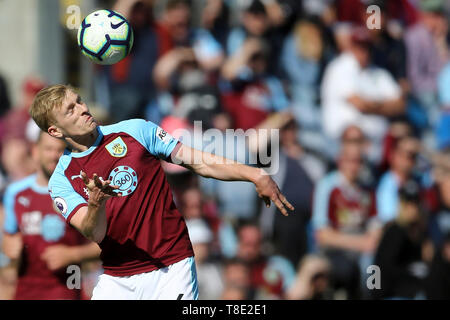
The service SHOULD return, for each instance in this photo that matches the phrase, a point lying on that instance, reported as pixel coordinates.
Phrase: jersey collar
(37, 188)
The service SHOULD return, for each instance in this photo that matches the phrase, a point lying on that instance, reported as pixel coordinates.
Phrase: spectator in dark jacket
(400, 252)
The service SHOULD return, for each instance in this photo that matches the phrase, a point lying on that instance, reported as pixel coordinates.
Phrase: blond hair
(48, 99)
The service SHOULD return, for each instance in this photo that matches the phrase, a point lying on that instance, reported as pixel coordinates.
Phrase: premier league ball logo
(61, 205)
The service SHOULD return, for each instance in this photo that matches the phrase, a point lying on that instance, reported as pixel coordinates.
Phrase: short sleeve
(10, 225)
(157, 141)
(64, 197)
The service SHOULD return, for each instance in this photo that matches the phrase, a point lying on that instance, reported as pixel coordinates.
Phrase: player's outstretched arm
(91, 219)
(212, 166)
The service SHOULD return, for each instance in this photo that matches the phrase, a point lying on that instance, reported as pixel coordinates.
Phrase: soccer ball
(105, 37)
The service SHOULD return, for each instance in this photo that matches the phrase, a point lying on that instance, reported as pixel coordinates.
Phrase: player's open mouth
(89, 118)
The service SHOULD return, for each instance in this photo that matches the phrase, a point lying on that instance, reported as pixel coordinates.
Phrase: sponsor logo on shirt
(163, 135)
(117, 148)
(53, 228)
(125, 178)
(24, 201)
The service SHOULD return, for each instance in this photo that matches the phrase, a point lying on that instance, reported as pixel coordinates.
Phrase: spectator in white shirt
(355, 92)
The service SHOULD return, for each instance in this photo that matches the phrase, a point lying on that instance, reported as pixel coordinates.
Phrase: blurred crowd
(362, 102)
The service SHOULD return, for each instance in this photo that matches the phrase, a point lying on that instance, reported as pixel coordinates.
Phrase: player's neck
(41, 179)
(82, 143)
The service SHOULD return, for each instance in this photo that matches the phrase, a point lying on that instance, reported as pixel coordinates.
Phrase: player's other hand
(99, 190)
(268, 190)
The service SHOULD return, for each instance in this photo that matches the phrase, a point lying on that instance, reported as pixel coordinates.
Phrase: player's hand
(58, 256)
(99, 190)
(268, 190)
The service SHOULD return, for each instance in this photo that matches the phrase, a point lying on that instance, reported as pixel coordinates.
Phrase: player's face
(73, 118)
(47, 152)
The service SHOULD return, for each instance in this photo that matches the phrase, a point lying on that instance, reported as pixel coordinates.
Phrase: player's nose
(83, 108)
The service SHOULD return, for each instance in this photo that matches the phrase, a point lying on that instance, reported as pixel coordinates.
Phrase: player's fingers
(286, 202)
(267, 201)
(111, 191)
(97, 181)
(280, 206)
(84, 177)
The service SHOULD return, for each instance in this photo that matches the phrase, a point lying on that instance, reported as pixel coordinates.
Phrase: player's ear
(54, 132)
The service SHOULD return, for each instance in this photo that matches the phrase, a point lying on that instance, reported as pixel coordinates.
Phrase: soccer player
(111, 187)
(37, 240)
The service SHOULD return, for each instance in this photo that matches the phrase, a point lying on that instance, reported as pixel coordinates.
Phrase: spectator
(388, 48)
(7, 273)
(296, 174)
(303, 58)
(175, 24)
(354, 92)
(312, 281)
(187, 90)
(15, 121)
(402, 163)
(438, 199)
(208, 271)
(426, 54)
(438, 280)
(36, 240)
(250, 93)
(215, 19)
(398, 129)
(130, 90)
(403, 11)
(282, 14)
(16, 159)
(400, 252)
(313, 164)
(255, 23)
(354, 136)
(442, 130)
(236, 275)
(270, 276)
(345, 221)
